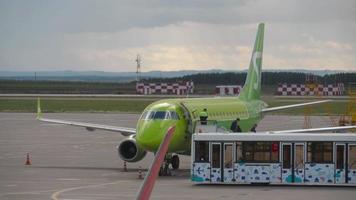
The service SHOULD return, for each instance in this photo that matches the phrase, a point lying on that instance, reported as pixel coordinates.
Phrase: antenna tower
(138, 68)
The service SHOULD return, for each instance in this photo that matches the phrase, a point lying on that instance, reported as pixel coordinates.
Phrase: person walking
(253, 129)
(235, 126)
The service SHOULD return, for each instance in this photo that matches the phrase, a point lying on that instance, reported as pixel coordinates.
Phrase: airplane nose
(148, 137)
(151, 136)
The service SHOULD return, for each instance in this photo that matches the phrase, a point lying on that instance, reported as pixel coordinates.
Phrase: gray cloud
(106, 35)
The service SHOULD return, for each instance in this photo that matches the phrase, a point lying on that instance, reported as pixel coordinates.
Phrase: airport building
(165, 88)
(227, 90)
(307, 90)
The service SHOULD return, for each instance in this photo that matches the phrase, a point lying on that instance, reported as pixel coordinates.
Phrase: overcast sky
(106, 35)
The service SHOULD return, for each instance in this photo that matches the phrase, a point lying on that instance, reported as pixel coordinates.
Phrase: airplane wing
(316, 130)
(89, 126)
(293, 105)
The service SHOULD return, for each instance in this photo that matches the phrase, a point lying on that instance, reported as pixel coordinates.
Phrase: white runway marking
(29, 192)
(52, 125)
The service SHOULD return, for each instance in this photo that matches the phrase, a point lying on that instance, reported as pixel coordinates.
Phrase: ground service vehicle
(274, 158)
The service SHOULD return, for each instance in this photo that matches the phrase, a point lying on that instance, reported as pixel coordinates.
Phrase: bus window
(262, 151)
(352, 157)
(340, 160)
(286, 156)
(216, 156)
(228, 156)
(239, 152)
(275, 151)
(259, 152)
(299, 156)
(320, 152)
(201, 151)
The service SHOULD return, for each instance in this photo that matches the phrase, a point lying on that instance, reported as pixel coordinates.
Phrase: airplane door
(340, 168)
(215, 173)
(189, 116)
(228, 162)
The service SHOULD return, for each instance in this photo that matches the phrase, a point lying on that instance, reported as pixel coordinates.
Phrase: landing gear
(164, 170)
(175, 162)
(169, 160)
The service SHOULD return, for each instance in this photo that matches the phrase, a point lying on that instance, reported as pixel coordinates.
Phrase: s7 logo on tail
(256, 55)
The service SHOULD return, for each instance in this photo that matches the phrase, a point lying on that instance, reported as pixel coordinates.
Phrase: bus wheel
(175, 162)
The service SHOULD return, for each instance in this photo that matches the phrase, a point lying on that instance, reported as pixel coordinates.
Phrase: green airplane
(184, 113)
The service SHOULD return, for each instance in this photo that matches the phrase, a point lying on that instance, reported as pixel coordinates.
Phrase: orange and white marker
(125, 166)
(28, 160)
(140, 172)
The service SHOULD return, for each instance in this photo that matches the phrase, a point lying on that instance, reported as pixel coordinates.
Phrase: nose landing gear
(169, 160)
(175, 162)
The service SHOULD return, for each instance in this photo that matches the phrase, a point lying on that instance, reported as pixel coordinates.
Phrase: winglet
(39, 112)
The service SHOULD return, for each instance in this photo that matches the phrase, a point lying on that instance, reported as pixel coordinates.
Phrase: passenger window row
(228, 114)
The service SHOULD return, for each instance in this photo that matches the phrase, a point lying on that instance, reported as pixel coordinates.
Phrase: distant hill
(167, 74)
(95, 75)
(100, 76)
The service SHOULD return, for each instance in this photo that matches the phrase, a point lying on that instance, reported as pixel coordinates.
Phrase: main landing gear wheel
(164, 170)
(175, 162)
(169, 160)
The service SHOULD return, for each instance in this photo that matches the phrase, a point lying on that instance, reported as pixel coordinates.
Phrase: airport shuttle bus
(271, 158)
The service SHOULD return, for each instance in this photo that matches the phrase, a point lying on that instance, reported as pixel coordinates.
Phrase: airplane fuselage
(184, 113)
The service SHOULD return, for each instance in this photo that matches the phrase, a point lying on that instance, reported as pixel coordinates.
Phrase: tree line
(268, 78)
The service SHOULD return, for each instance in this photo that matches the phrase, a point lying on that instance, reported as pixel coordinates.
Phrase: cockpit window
(163, 115)
(174, 115)
(150, 115)
(144, 115)
(160, 115)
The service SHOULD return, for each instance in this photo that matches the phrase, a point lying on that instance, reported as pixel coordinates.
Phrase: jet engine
(130, 151)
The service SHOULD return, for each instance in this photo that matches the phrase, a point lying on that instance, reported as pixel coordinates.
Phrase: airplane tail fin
(252, 87)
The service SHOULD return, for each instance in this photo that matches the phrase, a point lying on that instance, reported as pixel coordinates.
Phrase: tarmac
(72, 163)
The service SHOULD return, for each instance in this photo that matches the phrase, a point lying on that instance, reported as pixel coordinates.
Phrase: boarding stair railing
(212, 126)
